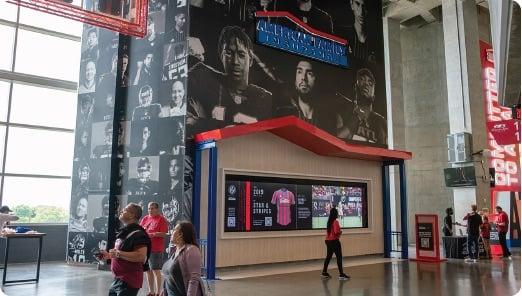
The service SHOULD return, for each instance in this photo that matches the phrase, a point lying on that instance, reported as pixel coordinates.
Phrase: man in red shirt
(502, 227)
(156, 227)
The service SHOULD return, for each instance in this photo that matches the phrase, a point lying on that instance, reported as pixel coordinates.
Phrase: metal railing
(396, 237)
(203, 250)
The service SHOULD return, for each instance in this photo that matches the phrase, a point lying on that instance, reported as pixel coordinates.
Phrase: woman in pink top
(333, 245)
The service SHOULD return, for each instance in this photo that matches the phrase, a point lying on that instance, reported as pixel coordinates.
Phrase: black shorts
(156, 261)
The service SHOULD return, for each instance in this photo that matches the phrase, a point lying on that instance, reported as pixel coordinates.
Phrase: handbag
(205, 287)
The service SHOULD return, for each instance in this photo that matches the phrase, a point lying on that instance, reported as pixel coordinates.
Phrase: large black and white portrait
(124, 134)
(174, 98)
(80, 181)
(171, 175)
(153, 40)
(144, 69)
(122, 176)
(101, 140)
(175, 61)
(100, 175)
(143, 176)
(147, 107)
(229, 97)
(145, 138)
(158, 18)
(106, 93)
(98, 213)
(178, 25)
(157, 5)
(124, 72)
(78, 219)
(173, 135)
(82, 147)
(88, 77)
(85, 111)
(90, 47)
(174, 52)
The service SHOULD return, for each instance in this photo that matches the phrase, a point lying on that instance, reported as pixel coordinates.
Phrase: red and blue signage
(302, 40)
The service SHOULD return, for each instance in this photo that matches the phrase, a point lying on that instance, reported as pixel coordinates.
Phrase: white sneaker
(468, 260)
(475, 260)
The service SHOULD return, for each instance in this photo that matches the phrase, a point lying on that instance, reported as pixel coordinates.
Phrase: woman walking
(333, 245)
(182, 272)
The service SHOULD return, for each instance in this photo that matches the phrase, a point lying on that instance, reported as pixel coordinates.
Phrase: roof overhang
(307, 136)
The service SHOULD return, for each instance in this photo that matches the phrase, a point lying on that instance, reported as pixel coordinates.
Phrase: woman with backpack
(333, 245)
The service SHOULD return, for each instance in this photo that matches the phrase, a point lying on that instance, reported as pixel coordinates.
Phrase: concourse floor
(454, 277)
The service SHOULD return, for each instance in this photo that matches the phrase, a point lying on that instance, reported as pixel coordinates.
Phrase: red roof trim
(307, 136)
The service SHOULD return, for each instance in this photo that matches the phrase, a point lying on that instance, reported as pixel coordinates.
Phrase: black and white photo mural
(236, 78)
(91, 177)
(207, 64)
(130, 131)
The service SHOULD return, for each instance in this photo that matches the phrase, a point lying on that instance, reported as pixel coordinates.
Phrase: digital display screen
(254, 203)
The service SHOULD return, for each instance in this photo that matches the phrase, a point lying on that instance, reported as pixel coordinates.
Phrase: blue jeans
(473, 246)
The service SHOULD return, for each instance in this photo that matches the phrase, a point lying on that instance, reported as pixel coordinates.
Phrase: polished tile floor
(454, 277)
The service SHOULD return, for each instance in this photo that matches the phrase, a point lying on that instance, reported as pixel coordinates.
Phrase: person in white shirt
(6, 217)
(177, 106)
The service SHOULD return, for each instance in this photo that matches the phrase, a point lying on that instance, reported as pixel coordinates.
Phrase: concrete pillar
(395, 103)
(464, 94)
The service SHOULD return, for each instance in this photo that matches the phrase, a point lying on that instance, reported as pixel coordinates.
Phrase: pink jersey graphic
(283, 199)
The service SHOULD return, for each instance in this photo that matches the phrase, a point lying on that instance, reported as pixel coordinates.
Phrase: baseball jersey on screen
(283, 199)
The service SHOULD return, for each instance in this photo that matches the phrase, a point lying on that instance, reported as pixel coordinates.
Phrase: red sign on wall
(503, 158)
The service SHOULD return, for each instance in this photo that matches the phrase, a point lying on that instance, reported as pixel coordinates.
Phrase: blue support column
(404, 211)
(386, 210)
(196, 193)
(212, 210)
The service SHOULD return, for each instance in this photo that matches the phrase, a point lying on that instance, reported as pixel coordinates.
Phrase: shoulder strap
(133, 232)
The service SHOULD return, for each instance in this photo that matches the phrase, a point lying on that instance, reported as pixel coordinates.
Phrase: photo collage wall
(131, 92)
(140, 101)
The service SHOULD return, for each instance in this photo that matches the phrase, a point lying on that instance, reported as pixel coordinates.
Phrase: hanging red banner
(503, 158)
(125, 16)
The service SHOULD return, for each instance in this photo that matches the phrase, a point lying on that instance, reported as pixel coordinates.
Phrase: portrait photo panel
(234, 79)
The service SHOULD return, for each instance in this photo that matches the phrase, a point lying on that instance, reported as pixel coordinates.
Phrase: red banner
(505, 132)
(503, 158)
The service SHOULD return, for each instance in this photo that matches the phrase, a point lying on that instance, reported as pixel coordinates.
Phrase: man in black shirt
(221, 99)
(310, 14)
(307, 101)
(474, 221)
(448, 223)
(361, 122)
(130, 253)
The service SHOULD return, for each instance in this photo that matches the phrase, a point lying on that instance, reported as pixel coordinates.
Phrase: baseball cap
(5, 209)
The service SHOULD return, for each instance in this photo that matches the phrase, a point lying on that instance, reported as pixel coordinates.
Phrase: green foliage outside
(40, 214)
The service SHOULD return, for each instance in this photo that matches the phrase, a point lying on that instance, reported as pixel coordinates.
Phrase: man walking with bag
(129, 255)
